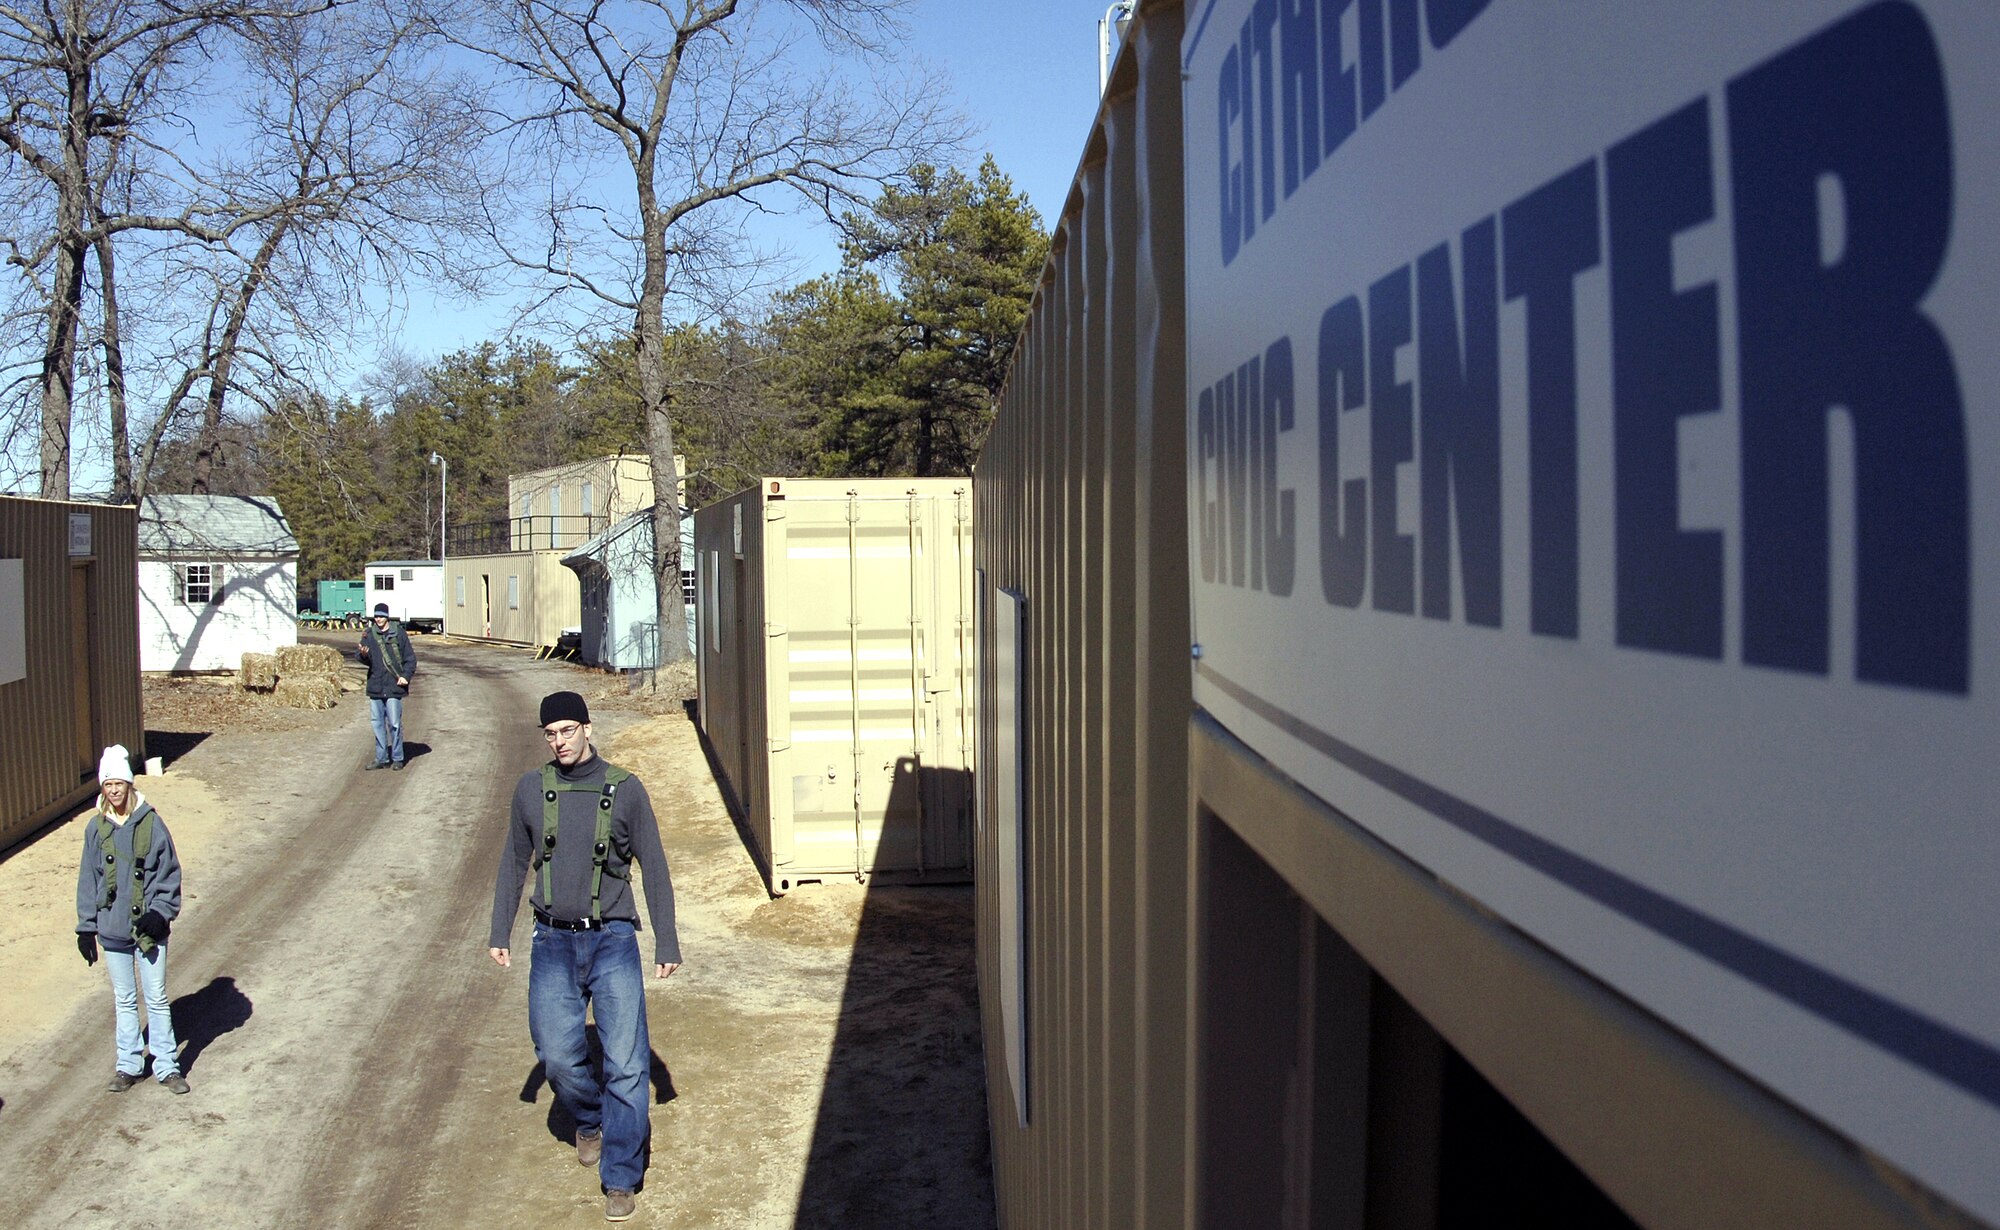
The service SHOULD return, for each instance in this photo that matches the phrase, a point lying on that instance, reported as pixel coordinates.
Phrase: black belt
(568, 924)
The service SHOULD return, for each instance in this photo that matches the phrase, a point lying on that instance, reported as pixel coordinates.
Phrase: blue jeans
(599, 968)
(385, 713)
(152, 978)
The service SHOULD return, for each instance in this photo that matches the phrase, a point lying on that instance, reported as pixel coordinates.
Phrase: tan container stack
(835, 659)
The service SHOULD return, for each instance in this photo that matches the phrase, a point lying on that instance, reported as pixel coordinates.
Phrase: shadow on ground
(171, 745)
(205, 1015)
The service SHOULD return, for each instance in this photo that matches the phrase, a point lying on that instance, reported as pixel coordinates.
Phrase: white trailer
(412, 588)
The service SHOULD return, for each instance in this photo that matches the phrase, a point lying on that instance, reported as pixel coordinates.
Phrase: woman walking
(128, 892)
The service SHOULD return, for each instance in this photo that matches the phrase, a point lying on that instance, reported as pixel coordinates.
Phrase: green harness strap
(142, 845)
(600, 853)
(388, 649)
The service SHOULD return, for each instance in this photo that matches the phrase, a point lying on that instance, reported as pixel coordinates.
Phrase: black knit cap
(564, 707)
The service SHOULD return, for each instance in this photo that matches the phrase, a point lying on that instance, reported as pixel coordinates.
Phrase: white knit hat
(116, 764)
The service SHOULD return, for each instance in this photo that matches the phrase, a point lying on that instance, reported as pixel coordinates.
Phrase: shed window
(687, 586)
(514, 593)
(461, 591)
(198, 584)
(384, 580)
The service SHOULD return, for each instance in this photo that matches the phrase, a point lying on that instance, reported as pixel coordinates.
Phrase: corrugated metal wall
(1081, 511)
(80, 635)
(1236, 1007)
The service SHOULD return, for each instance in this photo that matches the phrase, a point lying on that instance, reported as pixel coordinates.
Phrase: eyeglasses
(556, 733)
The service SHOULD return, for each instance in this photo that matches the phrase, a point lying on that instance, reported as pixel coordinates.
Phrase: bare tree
(77, 77)
(360, 156)
(717, 109)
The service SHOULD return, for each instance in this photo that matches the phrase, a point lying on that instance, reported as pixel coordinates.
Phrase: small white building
(218, 578)
(412, 589)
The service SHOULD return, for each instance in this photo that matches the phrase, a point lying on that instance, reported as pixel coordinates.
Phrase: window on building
(555, 500)
(461, 591)
(687, 586)
(198, 584)
(409, 574)
(384, 581)
(513, 593)
(589, 506)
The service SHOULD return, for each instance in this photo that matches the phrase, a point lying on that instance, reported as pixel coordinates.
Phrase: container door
(856, 756)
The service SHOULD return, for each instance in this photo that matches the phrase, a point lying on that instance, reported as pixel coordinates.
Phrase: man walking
(385, 647)
(582, 822)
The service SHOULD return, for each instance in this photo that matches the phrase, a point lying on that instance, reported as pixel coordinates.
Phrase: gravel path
(357, 1060)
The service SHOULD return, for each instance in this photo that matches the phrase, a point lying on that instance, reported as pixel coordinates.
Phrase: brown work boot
(121, 1081)
(174, 1082)
(618, 1205)
(589, 1149)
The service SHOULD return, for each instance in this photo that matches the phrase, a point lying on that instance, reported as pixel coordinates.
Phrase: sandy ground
(358, 1061)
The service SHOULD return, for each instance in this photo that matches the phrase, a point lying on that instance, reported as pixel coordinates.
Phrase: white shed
(218, 578)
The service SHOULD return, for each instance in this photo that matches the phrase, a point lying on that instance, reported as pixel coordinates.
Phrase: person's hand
(151, 925)
(86, 943)
(402, 682)
(500, 957)
(665, 969)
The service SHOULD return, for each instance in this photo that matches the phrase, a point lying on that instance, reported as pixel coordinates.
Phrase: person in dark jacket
(128, 893)
(385, 647)
(582, 822)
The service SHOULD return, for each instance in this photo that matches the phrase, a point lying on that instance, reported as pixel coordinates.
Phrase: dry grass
(307, 691)
(257, 672)
(316, 660)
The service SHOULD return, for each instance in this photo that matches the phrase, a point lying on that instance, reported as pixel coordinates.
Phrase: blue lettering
(1863, 102)
(1278, 528)
(1235, 180)
(1664, 366)
(1448, 18)
(1337, 84)
(1460, 389)
(1343, 539)
(1300, 87)
(1550, 236)
(1389, 439)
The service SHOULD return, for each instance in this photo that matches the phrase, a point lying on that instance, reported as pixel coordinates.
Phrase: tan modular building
(69, 654)
(834, 652)
(522, 597)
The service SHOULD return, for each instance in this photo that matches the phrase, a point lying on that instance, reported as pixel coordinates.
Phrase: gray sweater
(635, 837)
(161, 879)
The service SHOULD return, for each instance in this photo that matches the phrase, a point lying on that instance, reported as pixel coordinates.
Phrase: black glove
(151, 925)
(86, 943)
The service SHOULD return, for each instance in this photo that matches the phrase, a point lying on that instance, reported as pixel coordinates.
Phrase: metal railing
(540, 533)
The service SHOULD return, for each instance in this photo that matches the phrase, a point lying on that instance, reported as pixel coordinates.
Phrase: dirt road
(357, 1060)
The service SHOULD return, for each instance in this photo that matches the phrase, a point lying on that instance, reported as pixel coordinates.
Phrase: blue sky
(1024, 71)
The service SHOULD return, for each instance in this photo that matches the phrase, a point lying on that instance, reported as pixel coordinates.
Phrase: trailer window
(384, 581)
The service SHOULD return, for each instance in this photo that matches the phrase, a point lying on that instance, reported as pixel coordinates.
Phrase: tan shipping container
(835, 658)
(69, 654)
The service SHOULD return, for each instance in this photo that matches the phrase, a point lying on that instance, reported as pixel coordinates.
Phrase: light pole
(444, 599)
(1119, 15)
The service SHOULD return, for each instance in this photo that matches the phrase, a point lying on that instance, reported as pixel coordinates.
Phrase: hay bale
(258, 672)
(295, 660)
(308, 692)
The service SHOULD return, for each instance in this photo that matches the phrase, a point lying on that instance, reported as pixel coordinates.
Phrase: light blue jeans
(601, 969)
(385, 713)
(159, 1034)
